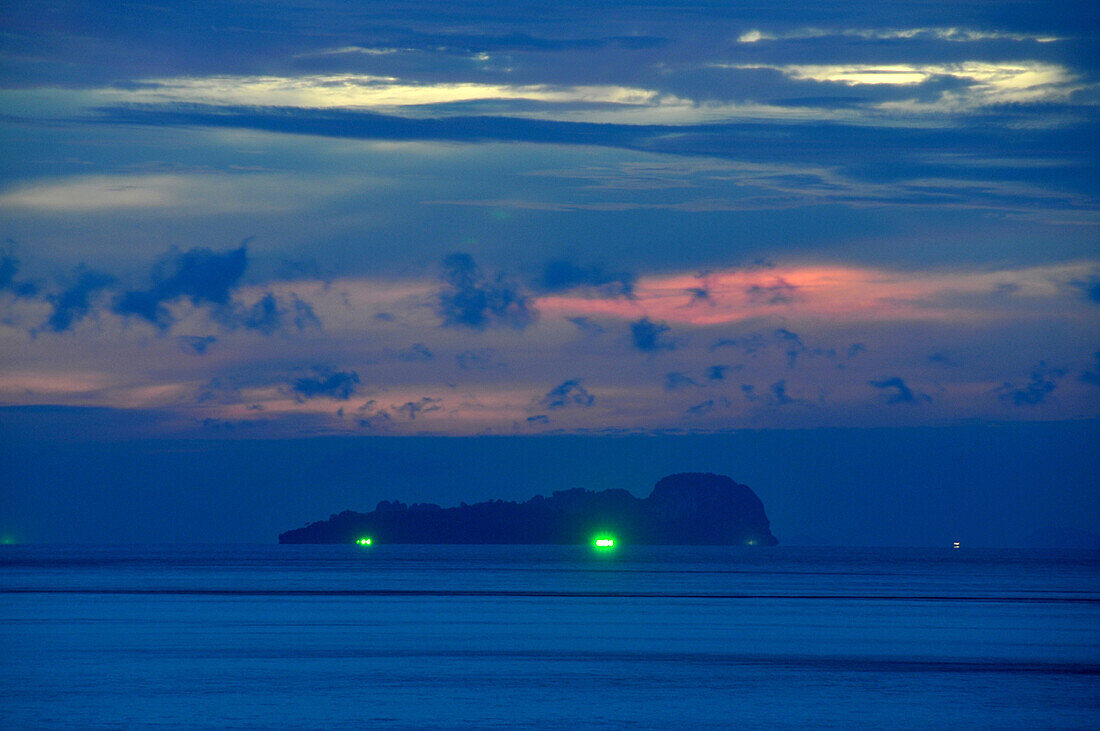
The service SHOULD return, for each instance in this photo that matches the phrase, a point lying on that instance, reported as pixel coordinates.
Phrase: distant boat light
(955, 544)
(364, 541)
(605, 543)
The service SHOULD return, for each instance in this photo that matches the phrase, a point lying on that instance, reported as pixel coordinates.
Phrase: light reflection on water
(446, 636)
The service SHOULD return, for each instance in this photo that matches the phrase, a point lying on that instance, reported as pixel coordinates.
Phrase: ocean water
(547, 636)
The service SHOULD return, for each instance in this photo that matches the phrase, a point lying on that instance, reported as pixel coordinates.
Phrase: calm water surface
(549, 636)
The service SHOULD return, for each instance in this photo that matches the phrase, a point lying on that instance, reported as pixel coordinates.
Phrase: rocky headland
(683, 509)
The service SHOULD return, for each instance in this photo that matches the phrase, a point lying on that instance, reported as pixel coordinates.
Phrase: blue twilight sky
(285, 220)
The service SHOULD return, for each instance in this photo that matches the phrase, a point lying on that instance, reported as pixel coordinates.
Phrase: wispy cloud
(568, 393)
(470, 299)
(209, 193)
(983, 83)
(1044, 379)
(839, 292)
(954, 35)
(326, 383)
(361, 90)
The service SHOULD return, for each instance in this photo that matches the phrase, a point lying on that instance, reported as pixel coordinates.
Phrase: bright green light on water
(605, 543)
(364, 541)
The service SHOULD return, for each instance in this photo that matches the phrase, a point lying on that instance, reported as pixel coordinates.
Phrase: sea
(424, 637)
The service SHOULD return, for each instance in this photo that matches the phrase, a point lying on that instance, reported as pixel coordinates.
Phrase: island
(691, 508)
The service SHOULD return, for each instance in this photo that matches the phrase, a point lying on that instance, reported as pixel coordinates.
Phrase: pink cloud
(839, 293)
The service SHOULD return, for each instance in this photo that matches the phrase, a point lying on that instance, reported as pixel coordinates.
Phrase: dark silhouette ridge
(691, 508)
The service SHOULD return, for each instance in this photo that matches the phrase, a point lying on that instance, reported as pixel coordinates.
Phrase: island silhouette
(690, 508)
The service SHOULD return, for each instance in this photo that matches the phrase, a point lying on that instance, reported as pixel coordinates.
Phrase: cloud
(1043, 381)
(538, 419)
(779, 393)
(793, 342)
(159, 194)
(676, 380)
(412, 409)
(562, 274)
(650, 336)
(304, 316)
(418, 352)
(974, 84)
(1092, 377)
(195, 343)
(264, 316)
(749, 391)
(568, 393)
(202, 275)
(342, 91)
(954, 35)
(72, 305)
(749, 344)
(902, 394)
(778, 292)
(326, 384)
(9, 267)
(705, 407)
(470, 300)
(586, 325)
(270, 314)
(478, 360)
(717, 372)
(1089, 286)
(698, 294)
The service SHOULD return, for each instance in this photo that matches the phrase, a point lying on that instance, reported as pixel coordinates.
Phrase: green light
(364, 541)
(605, 543)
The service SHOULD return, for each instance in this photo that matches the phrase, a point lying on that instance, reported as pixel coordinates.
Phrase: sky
(234, 223)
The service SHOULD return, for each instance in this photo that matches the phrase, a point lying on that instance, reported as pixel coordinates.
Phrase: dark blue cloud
(793, 342)
(201, 275)
(73, 304)
(1089, 286)
(1044, 379)
(779, 293)
(568, 393)
(1092, 377)
(748, 344)
(196, 343)
(717, 372)
(478, 360)
(706, 407)
(538, 419)
(270, 315)
(676, 380)
(304, 316)
(698, 294)
(471, 300)
(416, 352)
(651, 336)
(264, 316)
(901, 393)
(586, 325)
(412, 409)
(326, 384)
(749, 391)
(9, 268)
(779, 393)
(562, 274)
